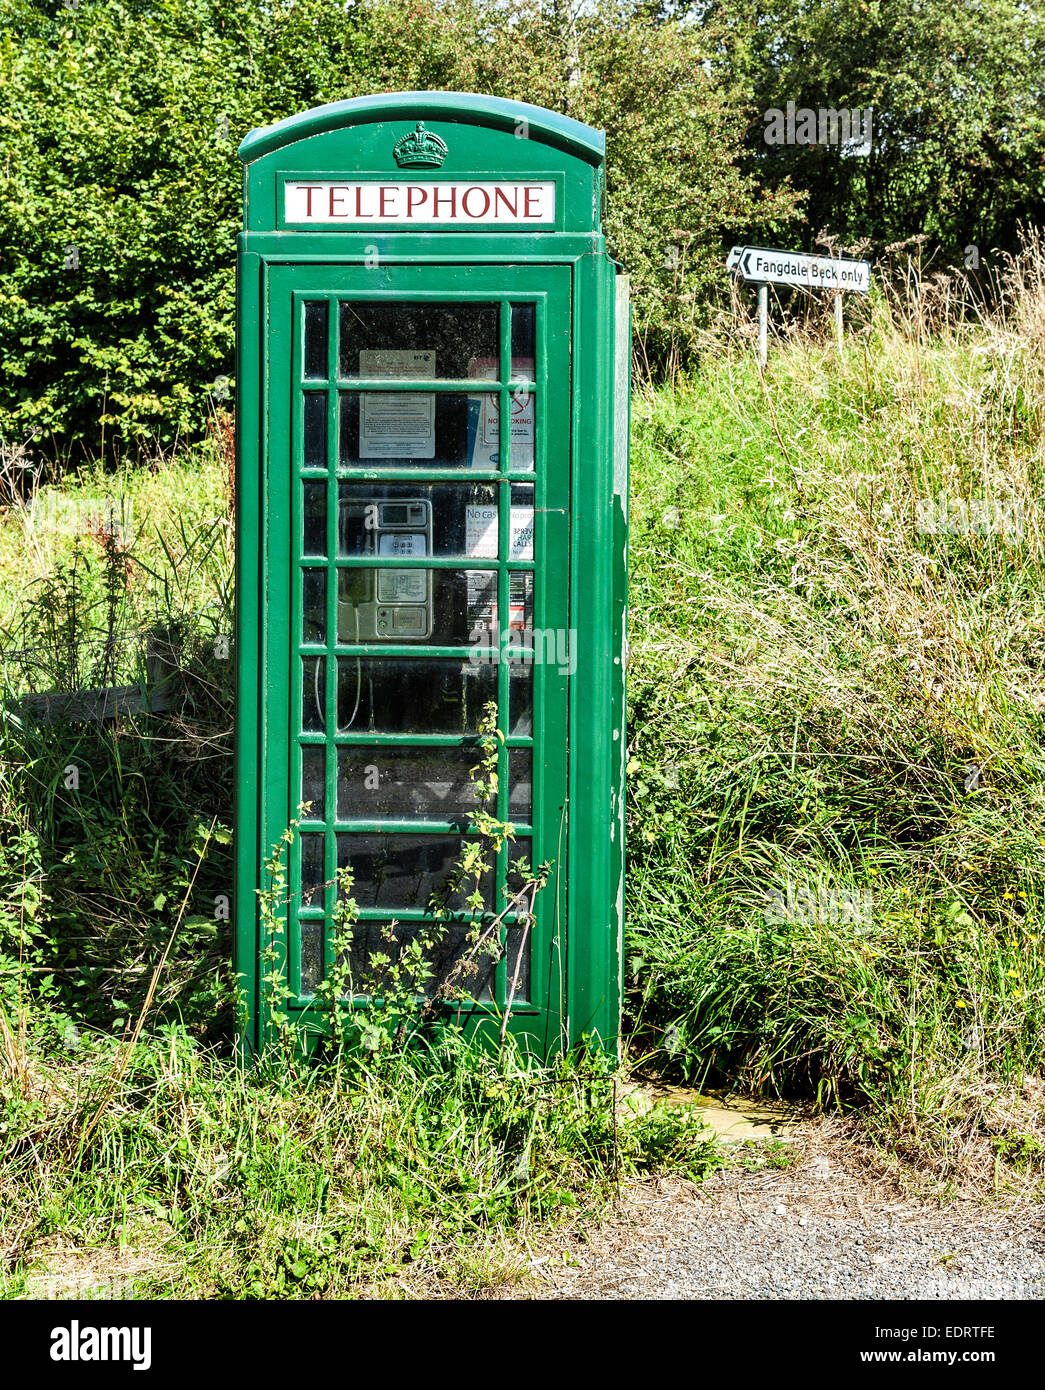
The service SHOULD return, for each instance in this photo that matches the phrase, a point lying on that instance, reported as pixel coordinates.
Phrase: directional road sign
(762, 266)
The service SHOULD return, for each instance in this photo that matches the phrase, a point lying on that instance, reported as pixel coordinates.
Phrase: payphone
(385, 602)
(431, 506)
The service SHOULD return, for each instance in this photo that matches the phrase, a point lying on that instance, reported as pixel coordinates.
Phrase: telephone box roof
(468, 108)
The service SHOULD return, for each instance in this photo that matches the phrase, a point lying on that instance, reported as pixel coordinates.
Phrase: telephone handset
(393, 605)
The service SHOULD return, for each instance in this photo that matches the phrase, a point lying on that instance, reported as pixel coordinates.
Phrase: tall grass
(832, 696)
(389, 1176)
(837, 816)
(114, 579)
(136, 1151)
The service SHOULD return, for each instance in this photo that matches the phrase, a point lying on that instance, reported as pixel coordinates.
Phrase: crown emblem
(418, 148)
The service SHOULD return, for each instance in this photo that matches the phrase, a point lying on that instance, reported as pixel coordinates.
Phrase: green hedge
(120, 186)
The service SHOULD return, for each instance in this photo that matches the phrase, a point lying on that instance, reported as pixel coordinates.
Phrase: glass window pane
(520, 699)
(317, 316)
(520, 604)
(384, 339)
(407, 429)
(313, 780)
(451, 520)
(481, 607)
(520, 784)
(401, 783)
(446, 607)
(450, 954)
(398, 695)
(312, 963)
(312, 872)
(314, 605)
(520, 853)
(315, 517)
(520, 540)
(517, 965)
(521, 444)
(524, 340)
(313, 694)
(314, 453)
(401, 871)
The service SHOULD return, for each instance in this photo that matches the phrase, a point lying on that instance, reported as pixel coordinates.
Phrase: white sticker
(521, 540)
(480, 536)
(484, 416)
(480, 532)
(482, 603)
(397, 424)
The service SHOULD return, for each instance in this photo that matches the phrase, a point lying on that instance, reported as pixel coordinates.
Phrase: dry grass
(838, 681)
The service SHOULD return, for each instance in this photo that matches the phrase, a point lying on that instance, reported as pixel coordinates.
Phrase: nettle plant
(419, 976)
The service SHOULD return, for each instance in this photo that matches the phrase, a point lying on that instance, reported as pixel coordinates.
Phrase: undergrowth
(138, 1153)
(380, 1176)
(836, 823)
(837, 776)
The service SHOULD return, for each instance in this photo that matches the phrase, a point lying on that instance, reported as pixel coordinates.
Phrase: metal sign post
(761, 266)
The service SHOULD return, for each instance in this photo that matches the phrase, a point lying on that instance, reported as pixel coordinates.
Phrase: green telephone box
(432, 428)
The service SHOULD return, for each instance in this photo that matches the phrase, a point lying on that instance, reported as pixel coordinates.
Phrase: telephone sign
(432, 521)
(461, 205)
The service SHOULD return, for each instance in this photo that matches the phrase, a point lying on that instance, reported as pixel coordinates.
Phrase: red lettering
(483, 194)
(384, 194)
(450, 193)
(333, 195)
(529, 191)
(359, 202)
(309, 188)
(415, 192)
(501, 196)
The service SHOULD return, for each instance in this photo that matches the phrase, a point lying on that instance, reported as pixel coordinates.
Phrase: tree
(120, 189)
(958, 147)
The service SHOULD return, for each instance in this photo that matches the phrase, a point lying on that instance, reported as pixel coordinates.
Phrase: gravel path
(818, 1230)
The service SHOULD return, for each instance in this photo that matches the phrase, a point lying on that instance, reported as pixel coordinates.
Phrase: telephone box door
(418, 494)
